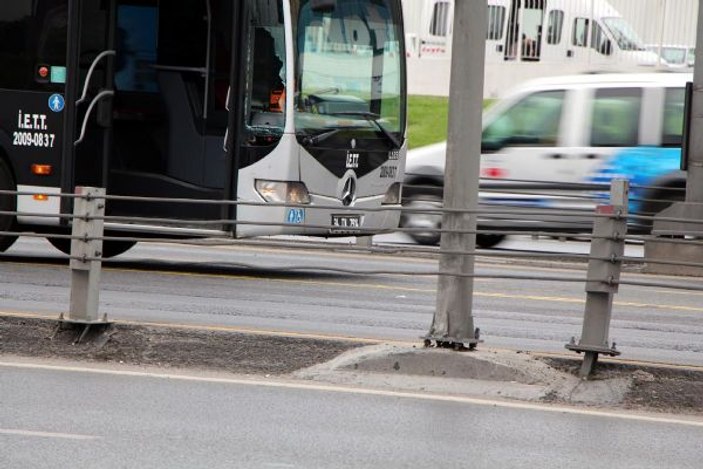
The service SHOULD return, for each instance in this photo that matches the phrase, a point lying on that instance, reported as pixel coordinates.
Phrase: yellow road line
(306, 386)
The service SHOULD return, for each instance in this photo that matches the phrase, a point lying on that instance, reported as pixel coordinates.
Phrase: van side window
(555, 25)
(580, 36)
(599, 41)
(616, 117)
(533, 121)
(440, 19)
(672, 125)
(496, 20)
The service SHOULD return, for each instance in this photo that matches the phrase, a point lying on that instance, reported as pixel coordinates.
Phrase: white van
(557, 136)
(572, 31)
(586, 31)
(525, 39)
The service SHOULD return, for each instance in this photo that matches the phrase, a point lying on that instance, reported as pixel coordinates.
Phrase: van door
(527, 146)
(523, 40)
(615, 119)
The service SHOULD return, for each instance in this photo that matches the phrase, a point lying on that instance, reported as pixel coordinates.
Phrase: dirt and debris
(167, 347)
(506, 375)
(668, 389)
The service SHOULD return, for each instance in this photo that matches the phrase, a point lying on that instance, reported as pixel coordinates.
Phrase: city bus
(293, 109)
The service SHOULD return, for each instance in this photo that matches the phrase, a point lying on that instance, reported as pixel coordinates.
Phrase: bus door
(154, 111)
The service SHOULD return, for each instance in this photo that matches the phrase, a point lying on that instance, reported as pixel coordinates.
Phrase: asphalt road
(64, 418)
(261, 288)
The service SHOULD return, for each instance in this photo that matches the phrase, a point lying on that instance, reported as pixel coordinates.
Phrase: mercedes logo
(348, 191)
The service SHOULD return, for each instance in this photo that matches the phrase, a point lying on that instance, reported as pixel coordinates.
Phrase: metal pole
(694, 181)
(453, 322)
(607, 247)
(689, 212)
(86, 245)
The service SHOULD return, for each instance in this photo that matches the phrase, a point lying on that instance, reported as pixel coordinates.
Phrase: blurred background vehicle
(674, 56)
(552, 146)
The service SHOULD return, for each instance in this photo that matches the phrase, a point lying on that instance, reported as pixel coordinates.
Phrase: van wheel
(661, 199)
(486, 241)
(8, 203)
(110, 248)
(425, 226)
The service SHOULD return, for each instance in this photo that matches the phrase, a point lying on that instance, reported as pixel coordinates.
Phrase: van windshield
(623, 33)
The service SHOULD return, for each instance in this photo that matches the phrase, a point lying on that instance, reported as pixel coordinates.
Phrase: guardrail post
(86, 246)
(607, 248)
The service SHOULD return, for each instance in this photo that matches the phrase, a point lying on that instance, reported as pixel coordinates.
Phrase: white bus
(298, 102)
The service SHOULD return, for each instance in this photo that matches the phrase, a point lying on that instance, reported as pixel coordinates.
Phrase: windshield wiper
(321, 137)
(372, 117)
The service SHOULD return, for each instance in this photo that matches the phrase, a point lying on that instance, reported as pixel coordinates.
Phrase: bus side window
(672, 123)
(616, 117)
(32, 32)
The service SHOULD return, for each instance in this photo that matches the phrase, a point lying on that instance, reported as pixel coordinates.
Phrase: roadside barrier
(584, 213)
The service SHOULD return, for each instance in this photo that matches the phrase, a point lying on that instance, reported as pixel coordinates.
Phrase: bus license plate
(345, 223)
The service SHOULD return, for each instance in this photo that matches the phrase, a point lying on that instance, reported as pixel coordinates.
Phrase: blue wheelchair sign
(295, 216)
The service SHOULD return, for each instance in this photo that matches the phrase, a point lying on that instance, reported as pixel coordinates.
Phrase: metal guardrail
(607, 238)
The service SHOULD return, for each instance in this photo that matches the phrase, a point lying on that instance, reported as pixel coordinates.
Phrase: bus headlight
(392, 196)
(289, 192)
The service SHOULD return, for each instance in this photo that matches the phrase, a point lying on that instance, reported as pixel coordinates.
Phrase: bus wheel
(425, 226)
(8, 203)
(110, 248)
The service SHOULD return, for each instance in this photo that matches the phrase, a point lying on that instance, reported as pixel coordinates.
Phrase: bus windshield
(349, 73)
(623, 33)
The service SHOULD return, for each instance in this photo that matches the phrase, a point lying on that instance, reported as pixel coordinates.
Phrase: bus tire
(419, 222)
(8, 203)
(111, 248)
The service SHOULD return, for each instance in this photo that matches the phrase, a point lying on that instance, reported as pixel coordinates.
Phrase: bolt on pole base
(591, 356)
(87, 326)
(459, 345)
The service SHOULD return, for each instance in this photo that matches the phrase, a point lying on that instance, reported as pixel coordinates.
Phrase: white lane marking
(693, 421)
(65, 436)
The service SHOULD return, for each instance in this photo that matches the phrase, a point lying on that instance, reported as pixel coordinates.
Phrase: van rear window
(616, 117)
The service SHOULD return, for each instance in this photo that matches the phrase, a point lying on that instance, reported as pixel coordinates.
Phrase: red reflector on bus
(494, 172)
(42, 169)
(43, 72)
